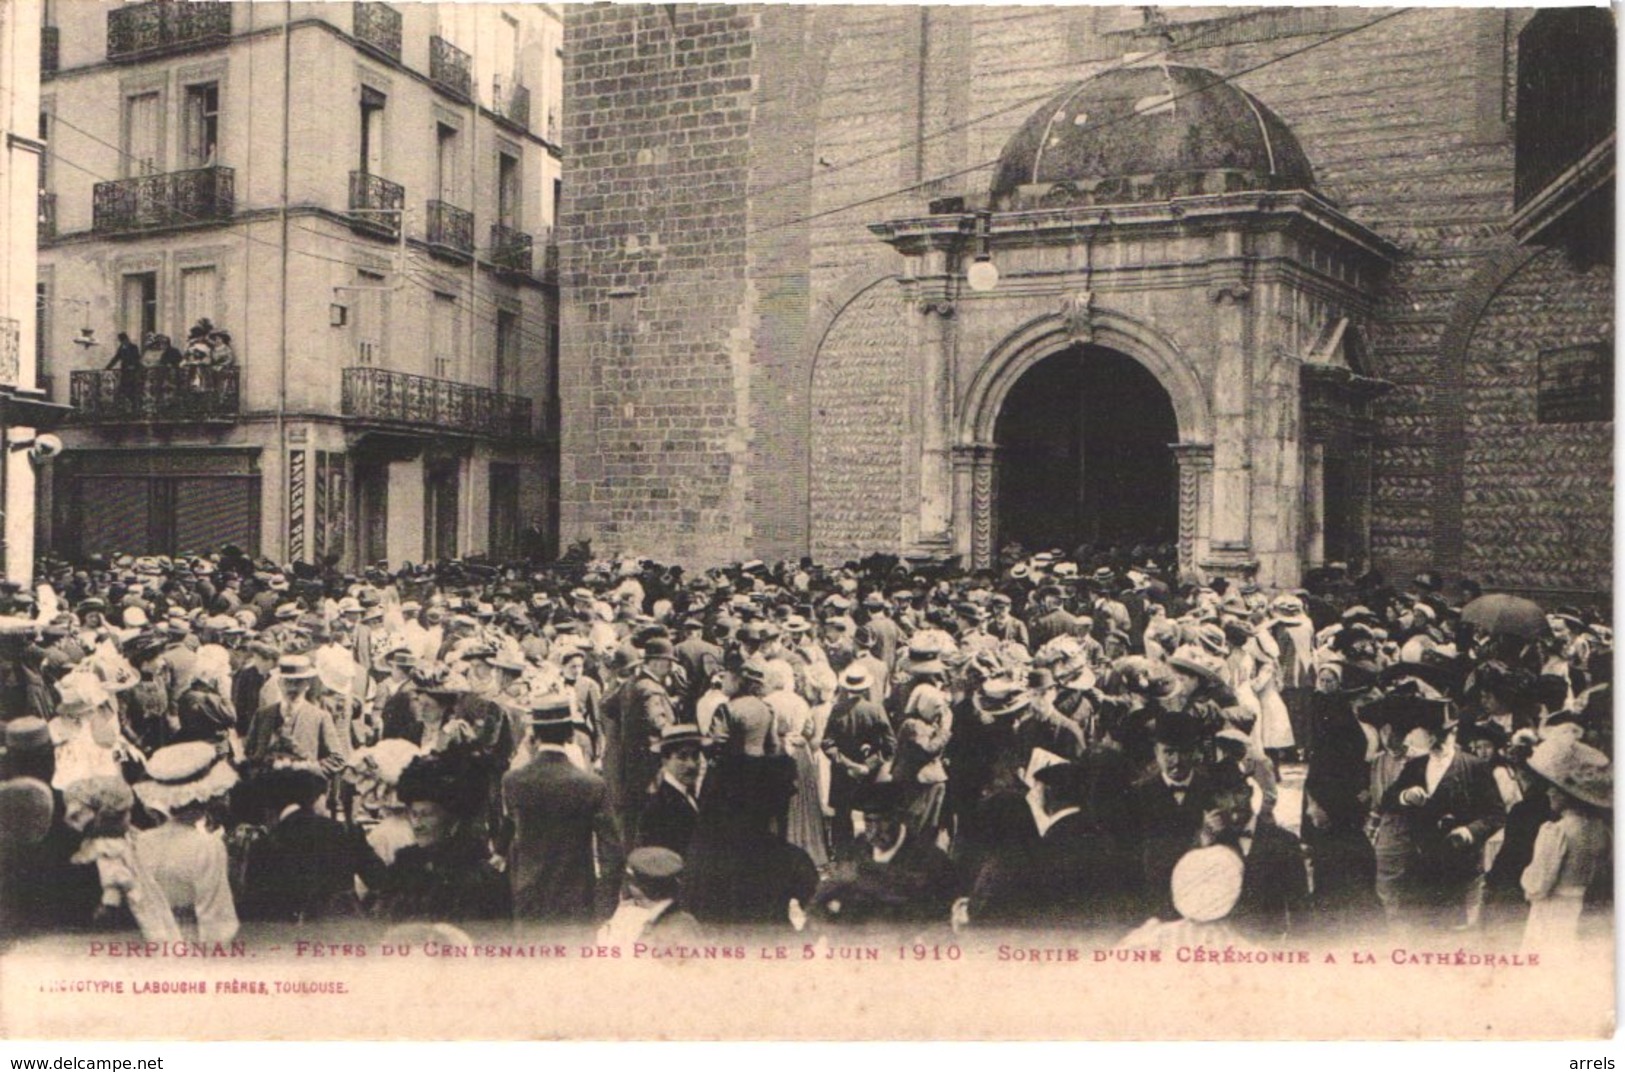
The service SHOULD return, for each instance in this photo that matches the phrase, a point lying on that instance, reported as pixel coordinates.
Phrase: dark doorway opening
(1084, 455)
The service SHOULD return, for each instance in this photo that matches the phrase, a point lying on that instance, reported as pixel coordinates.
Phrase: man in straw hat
(295, 726)
(673, 807)
(555, 808)
(858, 742)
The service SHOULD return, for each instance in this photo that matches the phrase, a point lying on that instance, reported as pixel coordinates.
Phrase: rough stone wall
(1538, 504)
(1408, 128)
(658, 319)
(859, 416)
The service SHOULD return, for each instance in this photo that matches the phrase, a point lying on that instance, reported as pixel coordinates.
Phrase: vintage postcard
(691, 521)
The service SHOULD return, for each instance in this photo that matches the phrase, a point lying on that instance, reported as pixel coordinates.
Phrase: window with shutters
(202, 125)
(143, 134)
(199, 294)
(367, 315)
(139, 304)
(372, 131)
(507, 351)
(444, 336)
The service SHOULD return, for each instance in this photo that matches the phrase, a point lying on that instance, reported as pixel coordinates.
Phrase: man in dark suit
(304, 869)
(700, 660)
(902, 878)
(1052, 620)
(674, 803)
(555, 809)
(1453, 807)
(1066, 869)
(1166, 807)
(1275, 882)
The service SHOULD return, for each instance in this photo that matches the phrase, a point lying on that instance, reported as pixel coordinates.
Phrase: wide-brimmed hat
(1001, 696)
(1578, 769)
(1206, 883)
(678, 734)
(295, 668)
(1195, 660)
(856, 679)
(188, 773)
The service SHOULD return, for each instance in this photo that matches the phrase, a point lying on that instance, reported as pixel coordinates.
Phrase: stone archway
(977, 460)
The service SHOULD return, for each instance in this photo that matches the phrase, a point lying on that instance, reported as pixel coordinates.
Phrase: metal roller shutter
(213, 511)
(114, 515)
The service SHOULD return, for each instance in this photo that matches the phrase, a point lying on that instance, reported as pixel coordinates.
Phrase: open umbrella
(1499, 613)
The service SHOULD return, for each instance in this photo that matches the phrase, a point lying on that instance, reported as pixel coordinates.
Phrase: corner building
(363, 195)
(1258, 282)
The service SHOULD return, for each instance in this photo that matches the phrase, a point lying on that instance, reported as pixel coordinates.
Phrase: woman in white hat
(1572, 852)
(188, 860)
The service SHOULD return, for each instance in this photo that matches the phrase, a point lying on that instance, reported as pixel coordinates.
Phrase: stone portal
(1085, 454)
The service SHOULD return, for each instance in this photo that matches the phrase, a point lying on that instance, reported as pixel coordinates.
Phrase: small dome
(1147, 134)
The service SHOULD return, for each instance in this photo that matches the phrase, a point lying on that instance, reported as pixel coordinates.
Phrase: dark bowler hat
(658, 648)
(1176, 730)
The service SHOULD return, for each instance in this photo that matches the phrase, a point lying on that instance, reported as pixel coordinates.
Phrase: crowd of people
(199, 745)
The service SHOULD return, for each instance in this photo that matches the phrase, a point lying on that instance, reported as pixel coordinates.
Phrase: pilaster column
(1232, 389)
(976, 500)
(937, 310)
(1195, 461)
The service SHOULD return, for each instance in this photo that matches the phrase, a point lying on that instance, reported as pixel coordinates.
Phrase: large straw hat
(1578, 769)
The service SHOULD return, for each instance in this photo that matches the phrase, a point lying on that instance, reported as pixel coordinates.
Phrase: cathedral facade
(1276, 287)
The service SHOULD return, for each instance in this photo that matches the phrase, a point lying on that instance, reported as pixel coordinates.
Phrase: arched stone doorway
(1084, 442)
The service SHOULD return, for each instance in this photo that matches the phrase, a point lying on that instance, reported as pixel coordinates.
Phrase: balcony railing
(510, 101)
(451, 230)
(451, 68)
(378, 27)
(376, 205)
(47, 216)
(147, 395)
(510, 249)
(50, 49)
(137, 31)
(147, 202)
(377, 394)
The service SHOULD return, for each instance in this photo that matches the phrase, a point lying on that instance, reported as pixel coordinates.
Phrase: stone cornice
(1590, 173)
(1066, 225)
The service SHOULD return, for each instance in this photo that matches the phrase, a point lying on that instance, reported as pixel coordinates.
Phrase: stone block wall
(1538, 498)
(658, 322)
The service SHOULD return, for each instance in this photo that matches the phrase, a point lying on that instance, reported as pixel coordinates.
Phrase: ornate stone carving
(1233, 290)
(941, 306)
(1078, 310)
(982, 494)
(1194, 459)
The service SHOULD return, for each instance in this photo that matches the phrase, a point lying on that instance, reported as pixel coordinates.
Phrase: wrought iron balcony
(510, 249)
(451, 231)
(423, 402)
(510, 101)
(378, 27)
(151, 395)
(47, 216)
(50, 49)
(451, 68)
(148, 202)
(137, 31)
(376, 205)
